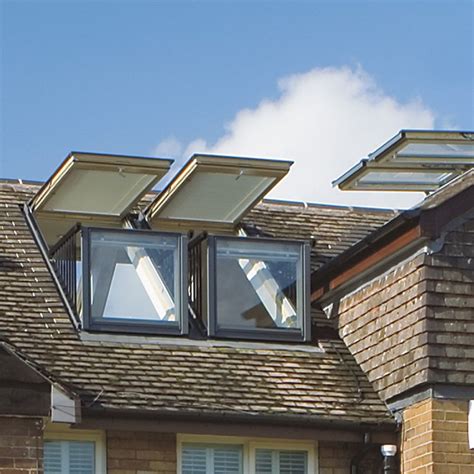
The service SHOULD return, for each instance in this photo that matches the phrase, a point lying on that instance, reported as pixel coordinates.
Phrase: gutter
(418, 225)
(226, 417)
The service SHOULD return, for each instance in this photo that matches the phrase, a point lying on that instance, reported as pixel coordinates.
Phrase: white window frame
(249, 447)
(55, 432)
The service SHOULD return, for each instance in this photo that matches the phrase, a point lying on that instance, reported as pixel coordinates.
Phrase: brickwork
(336, 457)
(141, 453)
(435, 438)
(21, 450)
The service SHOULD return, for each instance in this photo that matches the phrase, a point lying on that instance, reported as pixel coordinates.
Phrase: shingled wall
(415, 323)
(384, 326)
(450, 317)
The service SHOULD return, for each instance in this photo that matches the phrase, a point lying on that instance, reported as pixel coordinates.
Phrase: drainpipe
(388, 452)
(356, 460)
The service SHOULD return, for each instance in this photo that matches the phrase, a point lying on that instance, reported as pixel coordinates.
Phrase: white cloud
(324, 120)
(169, 147)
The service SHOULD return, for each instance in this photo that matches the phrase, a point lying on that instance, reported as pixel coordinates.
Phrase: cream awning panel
(216, 189)
(94, 189)
(99, 185)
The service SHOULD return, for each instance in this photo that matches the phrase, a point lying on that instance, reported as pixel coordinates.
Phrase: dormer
(181, 261)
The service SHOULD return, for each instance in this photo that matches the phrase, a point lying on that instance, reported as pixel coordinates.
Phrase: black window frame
(282, 335)
(90, 324)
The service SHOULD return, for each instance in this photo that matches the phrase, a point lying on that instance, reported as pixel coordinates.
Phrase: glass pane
(194, 460)
(211, 459)
(134, 276)
(72, 457)
(81, 457)
(257, 284)
(263, 461)
(227, 460)
(272, 461)
(52, 457)
(449, 152)
(401, 177)
(293, 462)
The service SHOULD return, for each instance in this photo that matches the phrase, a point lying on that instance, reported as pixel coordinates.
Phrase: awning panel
(216, 189)
(99, 185)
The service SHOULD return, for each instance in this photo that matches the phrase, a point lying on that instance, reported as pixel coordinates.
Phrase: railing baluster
(63, 256)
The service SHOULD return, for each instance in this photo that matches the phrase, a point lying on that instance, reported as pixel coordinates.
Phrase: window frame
(249, 447)
(303, 309)
(128, 326)
(54, 432)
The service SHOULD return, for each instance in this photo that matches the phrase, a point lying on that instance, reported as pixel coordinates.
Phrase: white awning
(216, 189)
(99, 185)
(95, 189)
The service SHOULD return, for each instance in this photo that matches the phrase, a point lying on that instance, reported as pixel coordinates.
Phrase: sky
(322, 83)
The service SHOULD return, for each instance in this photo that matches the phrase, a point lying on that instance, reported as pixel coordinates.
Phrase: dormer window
(125, 280)
(120, 272)
(258, 288)
(134, 280)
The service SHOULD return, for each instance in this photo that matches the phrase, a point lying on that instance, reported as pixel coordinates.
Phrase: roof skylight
(412, 161)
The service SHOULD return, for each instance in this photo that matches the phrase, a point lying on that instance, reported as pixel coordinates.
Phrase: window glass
(211, 459)
(258, 285)
(271, 461)
(72, 457)
(134, 276)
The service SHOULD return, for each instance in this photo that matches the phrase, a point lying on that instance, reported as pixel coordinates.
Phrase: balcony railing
(64, 257)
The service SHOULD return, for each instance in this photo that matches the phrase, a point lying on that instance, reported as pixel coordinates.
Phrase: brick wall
(21, 445)
(435, 438)
(141, 453)
(336, 457)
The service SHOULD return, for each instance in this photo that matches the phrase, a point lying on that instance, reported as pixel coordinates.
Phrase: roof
(428, 218)
(320, 383)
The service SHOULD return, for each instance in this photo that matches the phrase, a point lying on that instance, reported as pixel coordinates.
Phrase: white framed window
(199, 454)
(73, 451)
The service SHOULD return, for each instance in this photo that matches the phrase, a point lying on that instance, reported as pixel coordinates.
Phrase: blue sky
(152, 77)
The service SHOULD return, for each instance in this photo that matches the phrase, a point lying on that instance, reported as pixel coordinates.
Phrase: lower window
(73, 457)
(204, 455)
(73, 451)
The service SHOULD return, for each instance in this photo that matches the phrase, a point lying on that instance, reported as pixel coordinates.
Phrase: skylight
(412, 161)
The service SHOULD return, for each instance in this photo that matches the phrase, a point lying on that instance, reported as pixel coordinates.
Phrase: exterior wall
(335, 458)
(141, 453)
(21, 445)
(384, 326)
(451, 307)
(415, 323)
(435, 438)
(155, 453)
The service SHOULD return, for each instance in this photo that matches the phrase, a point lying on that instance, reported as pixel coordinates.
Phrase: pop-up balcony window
(126, 280)
(258, 288)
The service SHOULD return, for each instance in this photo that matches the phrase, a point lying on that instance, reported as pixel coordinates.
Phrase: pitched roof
(173, 375)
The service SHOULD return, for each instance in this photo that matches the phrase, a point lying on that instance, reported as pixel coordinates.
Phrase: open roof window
(96, 188)
(216, 190)
(412, 161)
(125, 280)
(251, 288)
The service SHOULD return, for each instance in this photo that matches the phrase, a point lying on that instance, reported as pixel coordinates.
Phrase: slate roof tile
(324, 383)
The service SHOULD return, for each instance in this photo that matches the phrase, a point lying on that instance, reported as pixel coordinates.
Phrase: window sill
(186, 342)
